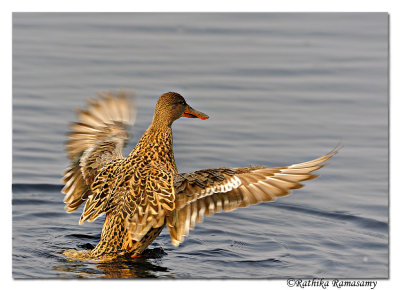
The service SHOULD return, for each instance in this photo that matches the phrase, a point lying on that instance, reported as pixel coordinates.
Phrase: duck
(143, 193)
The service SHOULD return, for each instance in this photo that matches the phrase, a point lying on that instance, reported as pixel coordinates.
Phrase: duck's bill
(192, 113)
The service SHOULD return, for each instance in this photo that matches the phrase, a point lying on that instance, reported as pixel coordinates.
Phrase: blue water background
(279, 89)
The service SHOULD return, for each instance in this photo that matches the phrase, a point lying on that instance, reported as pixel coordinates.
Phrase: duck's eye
(180, 103)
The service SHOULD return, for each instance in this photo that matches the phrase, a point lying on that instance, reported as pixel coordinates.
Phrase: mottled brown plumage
(143, 192)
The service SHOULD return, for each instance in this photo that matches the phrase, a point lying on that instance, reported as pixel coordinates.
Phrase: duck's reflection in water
(123, 267)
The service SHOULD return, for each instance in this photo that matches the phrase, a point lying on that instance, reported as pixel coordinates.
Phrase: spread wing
(210, 191)
(94, 141)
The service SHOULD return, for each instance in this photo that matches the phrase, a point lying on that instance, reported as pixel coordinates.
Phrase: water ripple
(339, 215)
(22, 187)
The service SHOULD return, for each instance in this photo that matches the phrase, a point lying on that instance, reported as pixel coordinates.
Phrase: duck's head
(171, 106)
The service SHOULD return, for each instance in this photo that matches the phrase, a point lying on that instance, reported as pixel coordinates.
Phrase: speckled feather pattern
(143, 192)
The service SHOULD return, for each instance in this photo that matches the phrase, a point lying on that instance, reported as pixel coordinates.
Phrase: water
(279, 89)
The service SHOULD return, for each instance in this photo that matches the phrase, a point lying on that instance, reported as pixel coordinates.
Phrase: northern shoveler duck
(143, 192)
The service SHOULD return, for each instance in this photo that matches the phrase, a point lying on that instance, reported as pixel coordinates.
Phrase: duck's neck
(156, 136)
(156, 145)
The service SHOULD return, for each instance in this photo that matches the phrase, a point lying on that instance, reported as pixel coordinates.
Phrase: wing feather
(93, 142)
(210, 191)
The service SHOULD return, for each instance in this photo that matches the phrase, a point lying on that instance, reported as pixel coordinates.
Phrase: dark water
(279, 89)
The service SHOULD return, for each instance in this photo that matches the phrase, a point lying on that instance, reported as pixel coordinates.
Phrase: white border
(182, 6)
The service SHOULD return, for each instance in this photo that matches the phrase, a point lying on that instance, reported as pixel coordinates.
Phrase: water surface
(279, 89)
